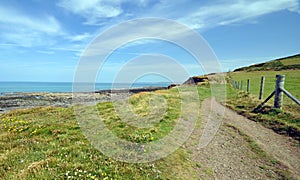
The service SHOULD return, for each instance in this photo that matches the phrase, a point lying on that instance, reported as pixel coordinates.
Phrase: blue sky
(43, 40)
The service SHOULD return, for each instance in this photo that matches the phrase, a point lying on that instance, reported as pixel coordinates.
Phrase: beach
(21, 100)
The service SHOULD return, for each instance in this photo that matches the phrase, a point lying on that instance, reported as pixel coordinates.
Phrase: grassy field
(47, 143)
(292, 81)
(285, 121)
(286, 63)
(291, 61)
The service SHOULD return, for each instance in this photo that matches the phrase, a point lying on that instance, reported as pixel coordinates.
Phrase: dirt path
(230, 156)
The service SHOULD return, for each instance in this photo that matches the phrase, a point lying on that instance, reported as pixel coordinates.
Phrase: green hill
(290, 62)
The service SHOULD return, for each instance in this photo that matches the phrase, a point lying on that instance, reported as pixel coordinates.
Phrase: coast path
(230, 154)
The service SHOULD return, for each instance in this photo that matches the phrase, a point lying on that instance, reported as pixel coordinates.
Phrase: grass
(286, 63)
(291, 61)
(286, 121)
(161, 123)
(292, 81)
(47, 142)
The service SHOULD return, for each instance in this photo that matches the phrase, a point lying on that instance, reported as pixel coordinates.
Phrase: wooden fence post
(248, 85)
(241, 84)
(238, 85)
(262, 84)
(278, 91)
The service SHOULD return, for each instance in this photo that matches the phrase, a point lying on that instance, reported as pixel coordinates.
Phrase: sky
(44, 40)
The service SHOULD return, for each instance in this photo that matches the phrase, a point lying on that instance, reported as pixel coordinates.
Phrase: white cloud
(71, 49)
(80, 37)
(15, 19)
(193, 13)
(45, 52)
(92, 10)
(25, 30)
(235, 11)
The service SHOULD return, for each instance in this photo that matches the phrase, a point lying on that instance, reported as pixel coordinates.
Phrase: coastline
(22, 100)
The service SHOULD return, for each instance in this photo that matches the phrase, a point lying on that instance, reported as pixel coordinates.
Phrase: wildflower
(34, 132)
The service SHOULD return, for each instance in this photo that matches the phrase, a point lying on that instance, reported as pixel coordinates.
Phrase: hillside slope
(290, 62)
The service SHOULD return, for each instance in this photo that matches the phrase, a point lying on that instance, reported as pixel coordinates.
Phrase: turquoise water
(11, 87)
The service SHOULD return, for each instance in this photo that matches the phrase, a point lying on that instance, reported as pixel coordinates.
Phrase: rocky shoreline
(10, 101)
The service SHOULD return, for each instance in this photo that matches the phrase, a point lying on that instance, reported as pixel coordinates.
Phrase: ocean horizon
(15, 87)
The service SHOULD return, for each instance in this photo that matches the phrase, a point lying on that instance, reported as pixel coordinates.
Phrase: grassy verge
(283, 122)
(47, 143)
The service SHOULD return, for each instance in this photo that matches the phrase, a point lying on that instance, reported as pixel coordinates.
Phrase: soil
(230, 156)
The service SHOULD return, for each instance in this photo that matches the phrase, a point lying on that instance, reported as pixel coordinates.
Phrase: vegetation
(282, 122)
(286, 121)
(47, 143)
(292, 80)
(291, 62)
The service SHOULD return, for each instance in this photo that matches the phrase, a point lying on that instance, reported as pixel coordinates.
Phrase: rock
(9, 101)
(173, 85)
(196, 80)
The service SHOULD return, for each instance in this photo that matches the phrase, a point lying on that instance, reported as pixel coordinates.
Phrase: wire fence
(264, 87)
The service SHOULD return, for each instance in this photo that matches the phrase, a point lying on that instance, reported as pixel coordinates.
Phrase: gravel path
(229, 156)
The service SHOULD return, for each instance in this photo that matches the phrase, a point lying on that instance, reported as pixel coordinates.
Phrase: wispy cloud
(45, 52)
(12, 17)
(237, 11)
(101, 12)
(195, 14)
(72, 49)
(80, 37)
(24, 30)
(8, 44)
(93, 10)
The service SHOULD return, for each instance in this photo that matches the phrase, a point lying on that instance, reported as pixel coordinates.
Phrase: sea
(15, 87)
